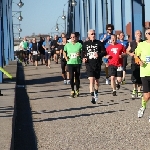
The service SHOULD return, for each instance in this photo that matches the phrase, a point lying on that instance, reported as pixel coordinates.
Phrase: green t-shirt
(143, 51)
(71, 50)
(25, 44)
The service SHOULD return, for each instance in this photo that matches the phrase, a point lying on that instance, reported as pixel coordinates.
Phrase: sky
(41, 18)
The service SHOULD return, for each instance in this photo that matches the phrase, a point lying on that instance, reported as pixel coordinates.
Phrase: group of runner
(94, 52)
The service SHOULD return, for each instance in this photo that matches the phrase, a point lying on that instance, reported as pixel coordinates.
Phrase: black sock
(96, 91)
(92, 93)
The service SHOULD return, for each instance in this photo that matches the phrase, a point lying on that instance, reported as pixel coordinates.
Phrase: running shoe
(141, 112)
(65, 81)
(134, 93)
(114, 93)
(93, 100)
(77, 93)
(95, 96)
(72, 94)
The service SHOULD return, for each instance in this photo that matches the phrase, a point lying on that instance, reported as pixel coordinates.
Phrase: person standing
(106, 39)
(135, 68)
(92, 53)
(73, 57)
(115, 54)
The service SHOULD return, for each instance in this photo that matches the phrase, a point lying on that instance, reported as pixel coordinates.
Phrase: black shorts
(135, 75)
(146, 84)
(35, 57)
(93, 71)
(124, 62)
(112, 71)
(64, 67)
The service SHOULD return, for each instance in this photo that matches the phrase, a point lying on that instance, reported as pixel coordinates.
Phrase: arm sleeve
(102, 51)
(43, 44)
(83, 51)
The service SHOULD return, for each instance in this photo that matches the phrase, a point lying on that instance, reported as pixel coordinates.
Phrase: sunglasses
(72, 37)
(109, 29)
(92, 33)
(148, 33)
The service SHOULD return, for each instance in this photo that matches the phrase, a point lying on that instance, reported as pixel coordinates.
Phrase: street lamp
(20, 4)
(64, 18)
(74, 3)
(56, 27)
(20, 17)
(19, 29)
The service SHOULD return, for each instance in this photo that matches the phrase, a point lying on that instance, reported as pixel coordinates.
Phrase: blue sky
(41, 17)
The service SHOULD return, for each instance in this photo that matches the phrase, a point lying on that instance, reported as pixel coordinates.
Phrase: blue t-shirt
(107, 40)
(60, 40)
(30, 46)
(125, 43)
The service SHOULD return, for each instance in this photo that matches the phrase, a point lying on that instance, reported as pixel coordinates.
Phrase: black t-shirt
(54, 43)
(133, 46)
(35, 46)
(40, 47)
(88, 49)
(80, 41)
(61, 47)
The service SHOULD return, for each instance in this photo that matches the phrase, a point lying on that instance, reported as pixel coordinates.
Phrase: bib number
(73, 55)
(35, 53)
(120, 69)
(147, 59)
(92, 55)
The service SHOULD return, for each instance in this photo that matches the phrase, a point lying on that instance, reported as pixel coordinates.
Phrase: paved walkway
(7, 107)
(61, 123)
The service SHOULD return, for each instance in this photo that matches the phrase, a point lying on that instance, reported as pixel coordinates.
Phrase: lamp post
(20, 3)
(19, 29)
(64, 18)
(20, 17)
(143, 18)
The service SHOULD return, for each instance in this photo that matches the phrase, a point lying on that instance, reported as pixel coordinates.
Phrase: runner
(34, 49)
(106, 39)
(24, 46)
(65, 73)
(42, 51)
(73, 57)
(135, 68)
(47, 46)
(125, 44)
(143, 53)
(92, 53)
(115, 54)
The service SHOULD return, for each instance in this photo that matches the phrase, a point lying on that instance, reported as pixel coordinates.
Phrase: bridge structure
(85, 15)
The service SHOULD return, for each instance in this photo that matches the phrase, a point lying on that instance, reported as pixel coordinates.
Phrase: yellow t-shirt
(143, 51)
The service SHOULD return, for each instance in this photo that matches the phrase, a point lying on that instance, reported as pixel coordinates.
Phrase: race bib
(73, 55)
(35, 53)
(147, 59)
(120, 68)
(92, 55)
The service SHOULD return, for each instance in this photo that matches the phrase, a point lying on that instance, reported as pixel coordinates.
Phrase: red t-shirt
(114, 51)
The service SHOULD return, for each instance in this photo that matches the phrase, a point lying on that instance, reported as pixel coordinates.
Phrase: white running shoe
(107, 81)
(95, 96)
(65, 81)
(141, 112)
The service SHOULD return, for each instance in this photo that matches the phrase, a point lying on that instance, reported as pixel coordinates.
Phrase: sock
(96, 91)
(143, 103)
(106, 71)
(92, 93)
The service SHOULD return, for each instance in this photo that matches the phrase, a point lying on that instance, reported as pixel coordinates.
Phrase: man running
(73, 57)
(115, 53)
(92, 53)
(65, 73)
(106, 39)
(47, 46)
(142, 52)
(135, 68)
(125, 44)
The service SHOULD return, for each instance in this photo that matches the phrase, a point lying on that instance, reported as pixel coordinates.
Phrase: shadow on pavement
(76, 116)
(23, 135)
